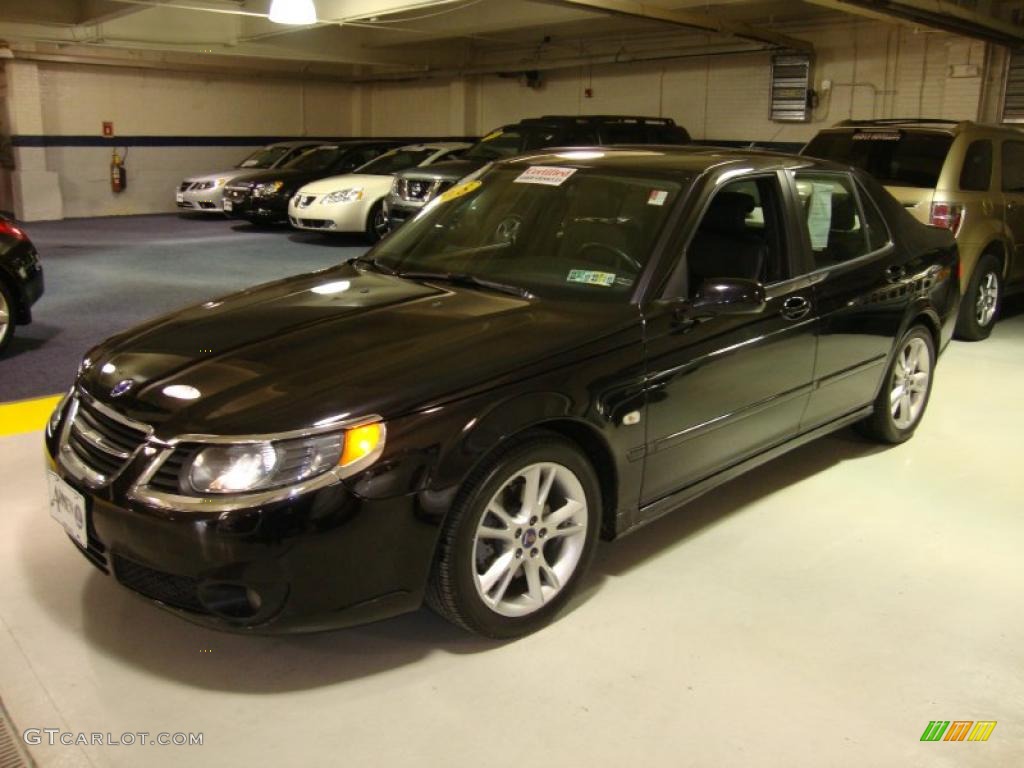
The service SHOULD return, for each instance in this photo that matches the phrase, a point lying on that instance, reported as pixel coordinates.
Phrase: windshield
(508, 142)
(395, 161)
(553, 231)
(894, 157)
(319, 159)
(264, 158)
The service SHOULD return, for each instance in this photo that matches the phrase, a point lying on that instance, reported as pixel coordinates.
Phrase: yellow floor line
(26, 415)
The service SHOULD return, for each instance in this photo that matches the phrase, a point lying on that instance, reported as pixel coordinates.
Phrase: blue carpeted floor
(105, 275)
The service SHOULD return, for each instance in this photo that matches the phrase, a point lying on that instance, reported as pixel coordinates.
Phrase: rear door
(860, 290)
(726, 388)
(1012, 166)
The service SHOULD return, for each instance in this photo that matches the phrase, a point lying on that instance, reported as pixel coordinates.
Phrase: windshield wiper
(375, 264)
(463, 278)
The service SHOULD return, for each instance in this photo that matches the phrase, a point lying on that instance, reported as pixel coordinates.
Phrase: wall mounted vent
(791, 85)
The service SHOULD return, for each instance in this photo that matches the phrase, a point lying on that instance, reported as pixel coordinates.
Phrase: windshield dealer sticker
(548, 175)
(589, 277)
(657, 197)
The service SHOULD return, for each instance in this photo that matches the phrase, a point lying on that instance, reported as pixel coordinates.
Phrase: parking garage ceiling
(387, 39)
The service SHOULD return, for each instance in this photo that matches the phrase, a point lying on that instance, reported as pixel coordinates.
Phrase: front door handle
(895, 273)
(795, 308)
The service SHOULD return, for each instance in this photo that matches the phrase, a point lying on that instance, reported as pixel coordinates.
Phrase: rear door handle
(795, 308)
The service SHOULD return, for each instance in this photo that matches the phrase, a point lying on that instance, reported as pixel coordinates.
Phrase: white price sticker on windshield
(591, 277)
(549, 175)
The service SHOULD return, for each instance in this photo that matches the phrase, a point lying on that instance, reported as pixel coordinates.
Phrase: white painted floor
(818, 612)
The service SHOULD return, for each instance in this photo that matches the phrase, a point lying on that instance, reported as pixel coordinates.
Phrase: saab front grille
(167, 478)
(176, 591)
(101, 443)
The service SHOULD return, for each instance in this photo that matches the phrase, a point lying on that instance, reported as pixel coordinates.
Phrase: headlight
(247, 467)
(345, 195)
(267, 188)
(220, 182)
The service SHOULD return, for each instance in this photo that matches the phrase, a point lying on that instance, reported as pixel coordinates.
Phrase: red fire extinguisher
(118, 174)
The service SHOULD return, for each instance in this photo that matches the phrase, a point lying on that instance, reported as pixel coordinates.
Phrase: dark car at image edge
(571, 345)
(21, 279)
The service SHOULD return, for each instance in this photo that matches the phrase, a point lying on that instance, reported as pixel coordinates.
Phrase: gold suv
(963, 176)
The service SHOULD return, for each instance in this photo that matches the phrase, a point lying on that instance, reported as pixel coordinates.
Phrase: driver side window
(740, 235)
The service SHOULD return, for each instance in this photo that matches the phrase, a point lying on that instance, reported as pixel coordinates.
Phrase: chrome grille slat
(97, 443)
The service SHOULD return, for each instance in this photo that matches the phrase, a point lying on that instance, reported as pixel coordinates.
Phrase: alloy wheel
(988, 299)
(5, 317)
(910, 378)
(530, 539)
(379, 223)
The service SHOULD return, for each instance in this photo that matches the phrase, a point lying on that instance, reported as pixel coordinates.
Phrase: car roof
(924, 124)
(669, 160)
(298, 143)
(436, 145)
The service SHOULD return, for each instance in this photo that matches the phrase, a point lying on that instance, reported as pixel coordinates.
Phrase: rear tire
(981, 302)
(518, 538)
(905, 390)
(7, 312)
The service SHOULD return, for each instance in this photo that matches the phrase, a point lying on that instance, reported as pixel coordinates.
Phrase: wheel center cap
(529, 538)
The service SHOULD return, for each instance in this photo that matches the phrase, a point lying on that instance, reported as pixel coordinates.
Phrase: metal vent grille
(791, 83)
(12, 753)
(1013, 96)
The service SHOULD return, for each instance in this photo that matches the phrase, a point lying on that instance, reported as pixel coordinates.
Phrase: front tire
(376, 223)
(6, 317)
(519, 537)
(981, 302)
(905, 391)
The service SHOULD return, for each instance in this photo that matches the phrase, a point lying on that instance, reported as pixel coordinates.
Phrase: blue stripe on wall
(259, 141)
(193, 141)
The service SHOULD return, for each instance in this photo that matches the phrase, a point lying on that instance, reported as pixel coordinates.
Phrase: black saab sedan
(262, 198)
(21, 279)
(570, 345)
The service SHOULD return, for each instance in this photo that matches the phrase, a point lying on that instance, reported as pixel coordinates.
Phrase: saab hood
(340, 342)
(370, 183)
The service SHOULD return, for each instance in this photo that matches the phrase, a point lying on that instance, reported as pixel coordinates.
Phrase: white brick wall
(878, 70)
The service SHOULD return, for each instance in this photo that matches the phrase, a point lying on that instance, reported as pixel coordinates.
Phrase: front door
(726, 388)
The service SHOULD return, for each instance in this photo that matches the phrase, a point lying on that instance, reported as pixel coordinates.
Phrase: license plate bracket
(69, 508)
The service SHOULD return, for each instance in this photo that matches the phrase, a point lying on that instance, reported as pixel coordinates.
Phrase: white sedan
(355, 202)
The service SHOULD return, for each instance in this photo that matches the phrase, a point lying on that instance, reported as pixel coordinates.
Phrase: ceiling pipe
(705, 22)
(936, 14)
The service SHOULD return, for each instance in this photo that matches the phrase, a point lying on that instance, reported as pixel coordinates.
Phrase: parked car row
(347, 187)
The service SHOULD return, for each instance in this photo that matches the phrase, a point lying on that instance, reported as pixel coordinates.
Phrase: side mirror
(728, 296)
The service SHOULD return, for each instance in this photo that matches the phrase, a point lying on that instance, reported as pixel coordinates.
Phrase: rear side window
(582, 135)
(1013, 166)
(878, 232)
(895, 157)
(625, 133)
(832, 216)
(976, 175)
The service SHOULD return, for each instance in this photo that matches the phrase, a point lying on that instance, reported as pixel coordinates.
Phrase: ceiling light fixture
(292, 12)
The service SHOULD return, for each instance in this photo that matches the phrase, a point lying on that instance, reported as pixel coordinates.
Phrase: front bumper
(206, 200)
(399, 212)
(244, 205)
(320, 217)
(323, 560)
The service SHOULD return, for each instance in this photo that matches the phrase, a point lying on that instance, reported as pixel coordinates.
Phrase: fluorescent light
(292, 12)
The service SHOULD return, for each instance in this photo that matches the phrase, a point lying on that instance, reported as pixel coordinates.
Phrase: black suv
(416, 187)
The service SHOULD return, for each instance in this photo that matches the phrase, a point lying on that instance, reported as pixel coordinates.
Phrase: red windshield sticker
(657, 197)
(549, 175)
